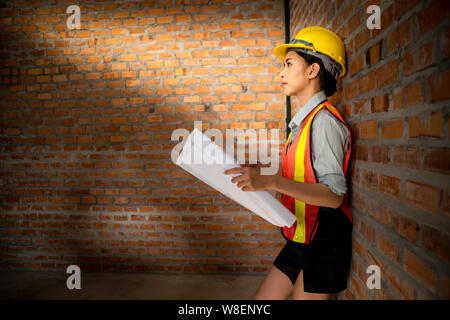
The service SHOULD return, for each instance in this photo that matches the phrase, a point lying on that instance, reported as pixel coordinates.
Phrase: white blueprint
(209, 171)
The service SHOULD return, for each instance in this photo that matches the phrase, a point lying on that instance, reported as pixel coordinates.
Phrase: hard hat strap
(306, 43)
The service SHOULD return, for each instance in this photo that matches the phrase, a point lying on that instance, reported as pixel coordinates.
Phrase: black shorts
(326, 259)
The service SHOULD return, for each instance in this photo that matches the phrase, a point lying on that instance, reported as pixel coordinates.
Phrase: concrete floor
(107, 285)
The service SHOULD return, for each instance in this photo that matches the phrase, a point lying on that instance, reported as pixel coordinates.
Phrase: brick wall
(395, 96)
(86, 176)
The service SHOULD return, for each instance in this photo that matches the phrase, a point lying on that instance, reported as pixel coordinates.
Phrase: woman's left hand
(251, 179)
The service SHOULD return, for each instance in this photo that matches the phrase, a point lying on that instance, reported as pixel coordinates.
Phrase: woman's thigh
(275, 286)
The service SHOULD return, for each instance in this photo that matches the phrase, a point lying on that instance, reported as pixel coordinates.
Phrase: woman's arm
(317, 194)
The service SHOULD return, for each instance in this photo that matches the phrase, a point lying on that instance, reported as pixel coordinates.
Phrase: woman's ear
(314, 69)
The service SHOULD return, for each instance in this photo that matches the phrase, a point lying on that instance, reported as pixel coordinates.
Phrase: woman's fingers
(238, 178)
(242, 183)
(234, 170)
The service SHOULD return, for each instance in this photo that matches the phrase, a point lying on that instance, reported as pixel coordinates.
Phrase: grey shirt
(329, 144)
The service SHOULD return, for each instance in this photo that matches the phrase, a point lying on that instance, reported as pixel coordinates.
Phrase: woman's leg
(300, 294)
(275, 286)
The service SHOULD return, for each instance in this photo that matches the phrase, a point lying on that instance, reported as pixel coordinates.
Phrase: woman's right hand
(261, 165)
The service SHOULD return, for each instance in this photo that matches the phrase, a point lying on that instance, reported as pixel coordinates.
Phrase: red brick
(383, 295)
(429, 126)
(390, 186)
(367, 232)
(355, 129)
(448, 126)
(408, 96)
(437, 242)
(118, 31)
(13, 131)
(445, 287)
(360, 271)
(418, 58)
(402, 288)
(420, 270)
(405, 227)
(369, 129)
(433, 15)
(354, 21)
(408, 157)
(350, 47)
(358, 288)
(154, 118)
(403, 6)
(367, 82)
(356, 65)
(31, 28)
(379, 103)
(362, 38)
(128, 57)
(369, 179)
(360, 107)
(110, 75)
(437, 159)
(351, 90)
(374, 53)
(359, 201)
(380, 154)
(387, 74)
(361, 152)
(400, 37)
(445, 43)
(354, 175)
(357, 247)
(423, 196)
(388, 248)
(379, 212)
(392, 129)
(439, 85)
(346, 110)
(446, 208)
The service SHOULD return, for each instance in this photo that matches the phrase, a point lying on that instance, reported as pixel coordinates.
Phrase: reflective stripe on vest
(297, 166)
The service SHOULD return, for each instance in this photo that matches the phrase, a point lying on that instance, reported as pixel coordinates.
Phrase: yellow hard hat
(319, 42)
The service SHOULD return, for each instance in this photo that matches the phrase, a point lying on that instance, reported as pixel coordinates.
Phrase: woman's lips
(283, 83)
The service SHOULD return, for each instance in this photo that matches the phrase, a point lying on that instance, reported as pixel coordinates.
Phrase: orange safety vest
(297, 166)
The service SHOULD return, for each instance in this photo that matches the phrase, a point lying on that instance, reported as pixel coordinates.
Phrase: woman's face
(296, 74)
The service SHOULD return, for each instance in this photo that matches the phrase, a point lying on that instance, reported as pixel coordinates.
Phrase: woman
(315, 261)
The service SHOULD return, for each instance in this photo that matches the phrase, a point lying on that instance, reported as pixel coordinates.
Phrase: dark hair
(327, 82)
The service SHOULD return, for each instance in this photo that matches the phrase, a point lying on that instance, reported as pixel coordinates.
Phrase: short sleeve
(329, 145)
